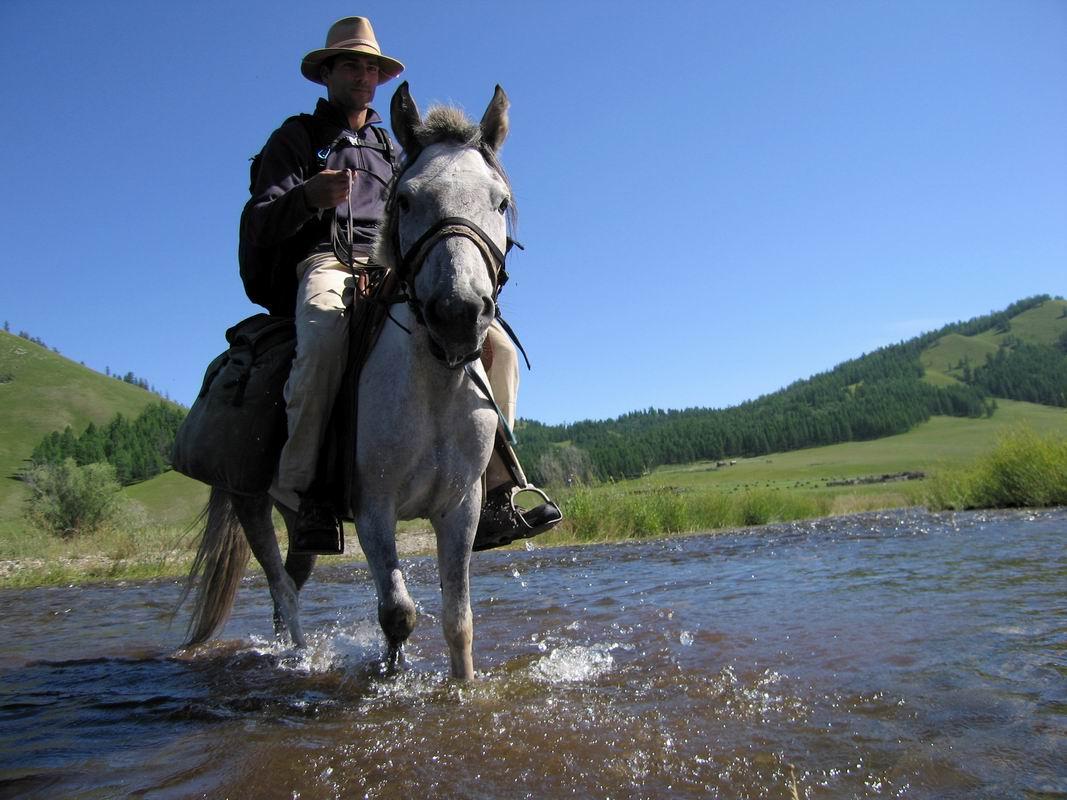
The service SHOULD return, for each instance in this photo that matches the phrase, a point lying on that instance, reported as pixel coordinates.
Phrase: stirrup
(516, 522)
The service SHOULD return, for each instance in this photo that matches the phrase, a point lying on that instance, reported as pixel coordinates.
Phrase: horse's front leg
(455, 535)
(396, 610)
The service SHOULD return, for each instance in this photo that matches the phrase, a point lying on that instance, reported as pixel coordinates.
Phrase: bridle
(412, 260)
(411, 263)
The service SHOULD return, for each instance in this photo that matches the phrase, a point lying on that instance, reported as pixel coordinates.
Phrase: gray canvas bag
(233, 434)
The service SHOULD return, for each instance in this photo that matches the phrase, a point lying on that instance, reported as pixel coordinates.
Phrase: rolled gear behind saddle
(235, 430)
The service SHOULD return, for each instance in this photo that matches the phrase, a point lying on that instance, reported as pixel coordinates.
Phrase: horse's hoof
(395, 660)
(397, 623)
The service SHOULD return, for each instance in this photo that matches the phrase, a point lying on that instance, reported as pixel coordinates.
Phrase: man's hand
(328, 189)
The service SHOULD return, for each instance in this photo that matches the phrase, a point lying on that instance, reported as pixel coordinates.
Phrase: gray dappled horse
(425, 432)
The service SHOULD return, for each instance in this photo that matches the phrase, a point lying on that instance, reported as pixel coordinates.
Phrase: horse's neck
(423, 429)
(414, 368)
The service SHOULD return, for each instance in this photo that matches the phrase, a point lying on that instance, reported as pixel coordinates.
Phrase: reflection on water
(885, 655)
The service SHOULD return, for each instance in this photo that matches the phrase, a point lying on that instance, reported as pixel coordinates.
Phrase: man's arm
(284, 197)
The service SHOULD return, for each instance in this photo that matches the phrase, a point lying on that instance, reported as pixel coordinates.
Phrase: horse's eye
(503, 205)
(402, 203)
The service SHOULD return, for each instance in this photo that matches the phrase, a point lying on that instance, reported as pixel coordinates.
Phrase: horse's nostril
(455, 313)
(488, 307)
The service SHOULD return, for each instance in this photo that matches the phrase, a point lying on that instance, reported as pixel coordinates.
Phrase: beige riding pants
(323, 305)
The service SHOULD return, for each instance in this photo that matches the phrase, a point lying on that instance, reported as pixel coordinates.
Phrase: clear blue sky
(717, 199)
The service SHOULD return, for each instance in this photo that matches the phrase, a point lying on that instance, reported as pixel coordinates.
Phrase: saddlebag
(235, 430)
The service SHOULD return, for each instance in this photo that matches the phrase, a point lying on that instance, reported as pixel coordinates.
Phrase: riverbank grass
(32, 557)
(1024, 470)
(603, 513)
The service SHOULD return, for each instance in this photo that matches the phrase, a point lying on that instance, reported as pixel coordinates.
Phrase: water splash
(574, 664)
(331, 648)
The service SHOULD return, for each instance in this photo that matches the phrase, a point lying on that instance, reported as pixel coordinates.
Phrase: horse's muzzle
(457, 327)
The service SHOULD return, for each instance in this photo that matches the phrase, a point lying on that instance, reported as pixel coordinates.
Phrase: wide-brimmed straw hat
(350, 36)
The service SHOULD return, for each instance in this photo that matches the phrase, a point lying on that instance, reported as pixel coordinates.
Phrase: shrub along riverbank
(1024, 469)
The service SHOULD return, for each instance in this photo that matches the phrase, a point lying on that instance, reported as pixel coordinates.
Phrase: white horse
(425, 430)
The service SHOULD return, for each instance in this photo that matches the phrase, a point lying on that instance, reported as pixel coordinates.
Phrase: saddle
(336, 468)
(234, 433)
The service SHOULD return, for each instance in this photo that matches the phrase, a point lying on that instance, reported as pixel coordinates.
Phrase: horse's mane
(442, 124)
(448, 124)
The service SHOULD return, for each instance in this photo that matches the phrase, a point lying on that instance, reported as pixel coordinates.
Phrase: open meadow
(157, 537)
(910, 469)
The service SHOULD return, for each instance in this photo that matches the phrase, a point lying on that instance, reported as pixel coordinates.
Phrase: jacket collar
(330, 113)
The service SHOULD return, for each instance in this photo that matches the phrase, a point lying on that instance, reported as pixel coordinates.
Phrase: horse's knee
(459, 631)
(460, 639)
(397, 621)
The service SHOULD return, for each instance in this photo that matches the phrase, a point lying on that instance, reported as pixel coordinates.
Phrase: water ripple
(892, 654)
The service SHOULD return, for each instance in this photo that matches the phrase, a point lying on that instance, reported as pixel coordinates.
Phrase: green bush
(68, 500)
(712, 509)
(756, 508)
(1023, 470)
(673, 511)
(583, 513)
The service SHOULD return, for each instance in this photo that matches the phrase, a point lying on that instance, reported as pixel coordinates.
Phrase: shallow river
(885, 655)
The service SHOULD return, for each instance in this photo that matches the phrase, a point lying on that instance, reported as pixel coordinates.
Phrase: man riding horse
(318, 194)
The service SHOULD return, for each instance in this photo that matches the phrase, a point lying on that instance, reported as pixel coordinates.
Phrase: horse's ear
(494, 122)
(404, 117)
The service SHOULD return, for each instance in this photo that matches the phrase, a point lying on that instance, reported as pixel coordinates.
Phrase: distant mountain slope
(42, 391)
(879, 394)
(944, 359)
(1023, 358)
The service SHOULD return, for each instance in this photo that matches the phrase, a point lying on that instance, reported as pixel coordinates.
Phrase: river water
(896, 654)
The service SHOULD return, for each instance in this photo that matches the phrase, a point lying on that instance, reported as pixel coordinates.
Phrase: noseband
(412, 261)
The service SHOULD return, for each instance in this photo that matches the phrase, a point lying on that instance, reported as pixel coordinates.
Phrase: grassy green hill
(42, 391)
(933, 445)
(947, 372)
(800, 484)
(943, 358)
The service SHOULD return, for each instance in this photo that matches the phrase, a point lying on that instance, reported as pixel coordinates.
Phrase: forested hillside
(878, 394)
(1019, 353)
(138, 449)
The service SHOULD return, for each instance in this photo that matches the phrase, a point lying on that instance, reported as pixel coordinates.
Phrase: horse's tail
(220, 563)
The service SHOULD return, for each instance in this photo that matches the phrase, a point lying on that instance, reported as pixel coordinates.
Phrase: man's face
(351, 81)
